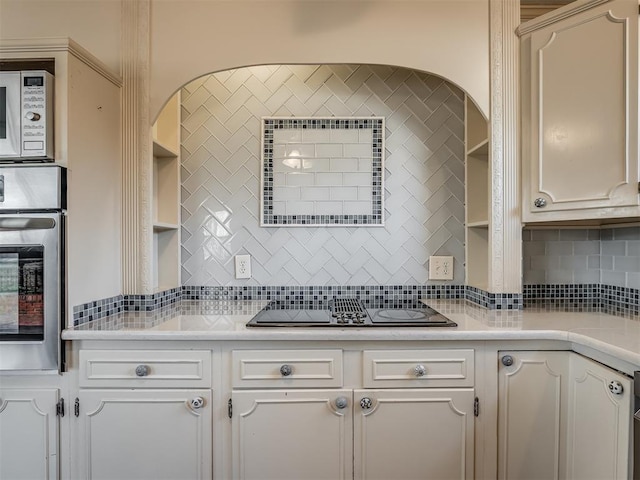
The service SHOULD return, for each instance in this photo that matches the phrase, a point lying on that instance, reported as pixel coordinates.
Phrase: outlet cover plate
(243, 266)
(440, 268)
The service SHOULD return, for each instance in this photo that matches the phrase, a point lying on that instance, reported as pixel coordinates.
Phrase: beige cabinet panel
(580, 102)
(414, 434)
(599, 422)
(531, 412)
(145, 434)
(28, 434)
(292, 434)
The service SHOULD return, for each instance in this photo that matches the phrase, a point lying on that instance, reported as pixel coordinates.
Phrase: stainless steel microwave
(26, 115)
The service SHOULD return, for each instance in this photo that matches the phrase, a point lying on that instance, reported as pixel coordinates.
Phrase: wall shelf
(166, 197)
(478, 198)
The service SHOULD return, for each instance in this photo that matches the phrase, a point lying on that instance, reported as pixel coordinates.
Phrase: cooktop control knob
(33, 116)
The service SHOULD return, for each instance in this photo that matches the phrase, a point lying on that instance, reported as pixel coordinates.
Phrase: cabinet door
(145, 434)
(599, 422)
(293, 434)
(580, 131)
(28, 434)
(412, 434)
(531, 413)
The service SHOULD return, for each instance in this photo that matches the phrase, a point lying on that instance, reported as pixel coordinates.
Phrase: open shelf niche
(478, 180)
(166, 197)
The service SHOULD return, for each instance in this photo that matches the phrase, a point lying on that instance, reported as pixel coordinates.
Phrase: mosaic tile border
(376, 124)
(619, 301)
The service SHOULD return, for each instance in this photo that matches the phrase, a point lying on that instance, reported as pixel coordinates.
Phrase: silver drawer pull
(366, 403)
(507, 360)
(616, 387)
(142, 370)
(341, 402)
(286, 370)
(419, 370)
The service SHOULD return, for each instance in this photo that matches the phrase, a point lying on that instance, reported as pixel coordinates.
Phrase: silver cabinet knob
(616, 387)
(196, 403)
(341, 402)
(540, 203)
(507, 360)
(366, 403)
(286, 370)
(142, 370)
(419, 370)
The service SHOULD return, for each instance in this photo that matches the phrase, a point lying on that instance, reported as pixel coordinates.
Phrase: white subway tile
(365, 165)
(279, 208)
(344, 193)
(344, 136)
(300, 150)
(364, 193)
(287, 135)
(278, 150)
(316, 136)
(316, 165)
(357, 208)
(329, 208)
(279, 179)
(328, 150)
(365, 135)
(300, 208)
(357, 150)
(333, 179)
(344, 164)
(300, 179)
(314, 193)
(357, 179)
(286, 193)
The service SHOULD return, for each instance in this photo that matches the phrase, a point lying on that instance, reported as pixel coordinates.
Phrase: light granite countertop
(225, 320)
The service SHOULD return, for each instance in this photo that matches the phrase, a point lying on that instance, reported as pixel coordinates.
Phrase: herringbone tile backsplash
(220, 175)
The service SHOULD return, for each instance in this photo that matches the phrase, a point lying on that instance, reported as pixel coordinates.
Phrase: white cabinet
(599, 422)
(532, 409)
(145, 434)
(414, 433)
(558, 418)
(29, 434)
(292, 434)
(144, 414)
(166, 196)
(423, 427)
(580, 113)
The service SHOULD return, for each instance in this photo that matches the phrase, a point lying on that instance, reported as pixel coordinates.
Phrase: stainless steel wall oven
(32, 259)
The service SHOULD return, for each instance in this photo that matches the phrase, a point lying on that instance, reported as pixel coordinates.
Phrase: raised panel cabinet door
(414, 434)
(531, 414)
(29, 434)
(146, 434)
(292, 435)
(599, 422)
(582, 138)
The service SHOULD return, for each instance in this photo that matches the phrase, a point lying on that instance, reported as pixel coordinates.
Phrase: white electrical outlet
(243, 266)
(441, 268)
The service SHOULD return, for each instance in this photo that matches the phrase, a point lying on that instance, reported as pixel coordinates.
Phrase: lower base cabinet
(413, 434)
(29, 434)
(561, 415)
(145, 434)
(364, 434)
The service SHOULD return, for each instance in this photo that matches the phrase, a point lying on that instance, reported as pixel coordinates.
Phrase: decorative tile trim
(375, 124)
(620, 301)
(593, 297)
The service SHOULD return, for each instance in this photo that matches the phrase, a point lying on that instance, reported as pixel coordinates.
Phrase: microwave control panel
(37, 118)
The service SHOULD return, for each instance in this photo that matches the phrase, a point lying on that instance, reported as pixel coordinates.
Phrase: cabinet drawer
(418, 368)
(287, 368)
(145, 368)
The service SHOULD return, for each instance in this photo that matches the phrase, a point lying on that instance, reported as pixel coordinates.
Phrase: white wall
(94, 24)
(190, 38)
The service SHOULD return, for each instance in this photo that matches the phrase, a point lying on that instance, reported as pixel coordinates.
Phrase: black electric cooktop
(350, 313)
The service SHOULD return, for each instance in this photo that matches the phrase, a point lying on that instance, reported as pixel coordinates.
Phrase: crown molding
(40, 46)
(557, 15)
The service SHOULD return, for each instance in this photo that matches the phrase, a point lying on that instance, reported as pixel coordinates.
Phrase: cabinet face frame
(560, 168)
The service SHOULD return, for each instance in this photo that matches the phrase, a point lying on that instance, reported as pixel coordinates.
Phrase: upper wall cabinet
(580, 112)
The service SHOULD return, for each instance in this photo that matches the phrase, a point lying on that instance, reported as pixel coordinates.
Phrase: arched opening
(424, 178)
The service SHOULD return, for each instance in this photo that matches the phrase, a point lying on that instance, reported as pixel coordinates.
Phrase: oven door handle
(30, 223)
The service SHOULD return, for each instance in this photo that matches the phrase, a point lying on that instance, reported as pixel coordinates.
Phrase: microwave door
(10, 114)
